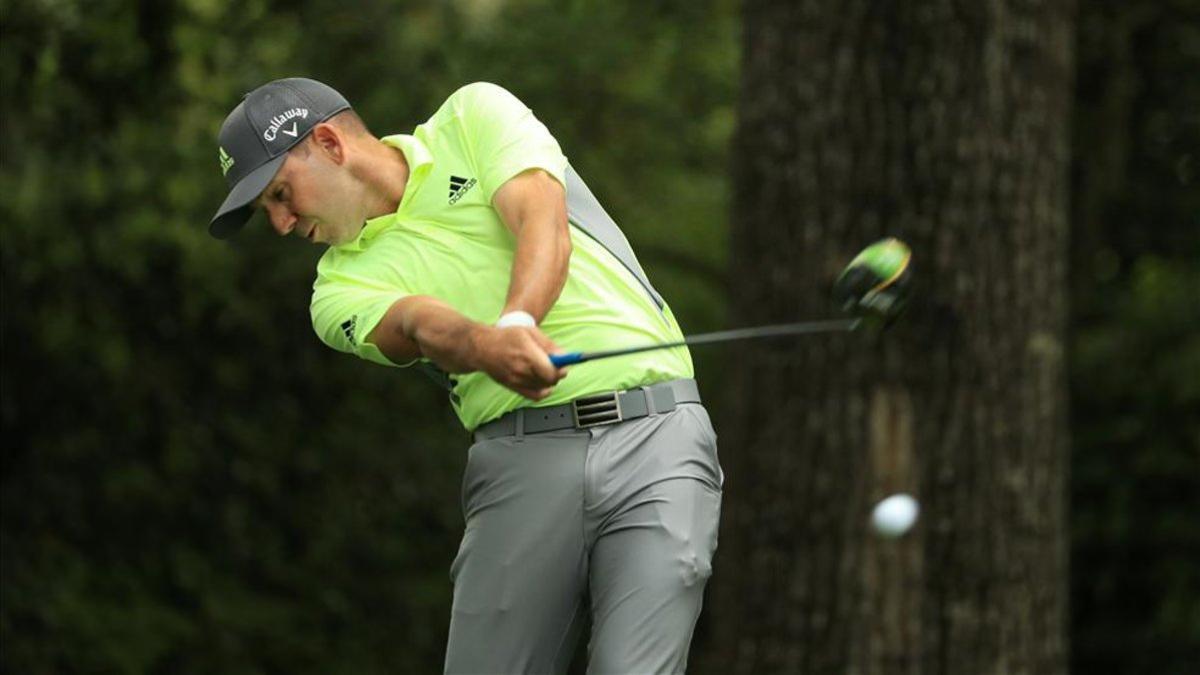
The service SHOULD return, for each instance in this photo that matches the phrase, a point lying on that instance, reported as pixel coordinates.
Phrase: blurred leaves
(1135, 365)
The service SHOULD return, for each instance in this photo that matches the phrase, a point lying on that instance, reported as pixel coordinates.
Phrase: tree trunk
(943, 123)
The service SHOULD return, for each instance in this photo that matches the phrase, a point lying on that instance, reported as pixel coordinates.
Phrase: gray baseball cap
(256, 136)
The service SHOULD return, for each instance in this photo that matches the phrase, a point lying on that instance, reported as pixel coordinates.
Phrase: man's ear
(330, 141)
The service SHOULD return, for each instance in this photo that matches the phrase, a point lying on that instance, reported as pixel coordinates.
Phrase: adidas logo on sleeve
(348, 326)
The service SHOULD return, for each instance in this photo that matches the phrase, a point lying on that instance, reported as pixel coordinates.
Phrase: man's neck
(386, 176)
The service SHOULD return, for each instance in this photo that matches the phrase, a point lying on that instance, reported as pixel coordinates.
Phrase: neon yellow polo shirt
(447, 241)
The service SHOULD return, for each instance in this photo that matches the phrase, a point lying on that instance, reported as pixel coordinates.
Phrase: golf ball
(894, 516)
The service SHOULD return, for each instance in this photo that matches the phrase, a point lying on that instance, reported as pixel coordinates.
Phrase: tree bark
(943, 123)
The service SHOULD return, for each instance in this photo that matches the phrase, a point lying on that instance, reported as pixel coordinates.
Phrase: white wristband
(517, 318)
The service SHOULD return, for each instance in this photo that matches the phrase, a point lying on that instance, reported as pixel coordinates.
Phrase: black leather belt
(593, 410)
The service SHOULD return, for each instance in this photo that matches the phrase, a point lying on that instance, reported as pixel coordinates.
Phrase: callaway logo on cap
(256, 136)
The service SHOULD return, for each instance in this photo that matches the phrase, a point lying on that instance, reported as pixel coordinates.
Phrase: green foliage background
(1135, 339)
(193, 484)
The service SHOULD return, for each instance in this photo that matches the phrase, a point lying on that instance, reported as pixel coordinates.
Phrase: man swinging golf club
(470, 249)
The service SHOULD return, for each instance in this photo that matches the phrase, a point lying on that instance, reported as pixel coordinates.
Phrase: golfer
(472, 250)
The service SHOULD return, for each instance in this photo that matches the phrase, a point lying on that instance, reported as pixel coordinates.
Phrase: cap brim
(236, 209)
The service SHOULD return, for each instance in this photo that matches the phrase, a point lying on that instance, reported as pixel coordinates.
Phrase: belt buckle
(593, 411)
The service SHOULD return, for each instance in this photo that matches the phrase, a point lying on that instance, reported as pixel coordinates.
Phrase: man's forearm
(444, 336)
(514, 357)
(539, 269)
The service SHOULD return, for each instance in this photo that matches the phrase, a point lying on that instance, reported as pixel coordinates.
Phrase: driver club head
(877, 284)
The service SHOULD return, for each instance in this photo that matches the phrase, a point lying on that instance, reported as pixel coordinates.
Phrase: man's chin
(328, 237)
(343, 236)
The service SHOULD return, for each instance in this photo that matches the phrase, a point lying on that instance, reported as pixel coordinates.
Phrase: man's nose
(282, 219)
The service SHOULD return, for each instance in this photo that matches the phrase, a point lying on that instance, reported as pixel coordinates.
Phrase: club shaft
(776, 330)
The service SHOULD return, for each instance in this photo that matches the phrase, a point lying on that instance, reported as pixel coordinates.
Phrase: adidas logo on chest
(459, 187)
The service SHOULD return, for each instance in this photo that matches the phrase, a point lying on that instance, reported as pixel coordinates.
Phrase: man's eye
(279, 195)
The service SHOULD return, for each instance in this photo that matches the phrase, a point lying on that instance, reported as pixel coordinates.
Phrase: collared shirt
(446, 240)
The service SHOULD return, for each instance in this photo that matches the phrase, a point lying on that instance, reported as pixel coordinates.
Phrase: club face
(877, 284)
(885, 304)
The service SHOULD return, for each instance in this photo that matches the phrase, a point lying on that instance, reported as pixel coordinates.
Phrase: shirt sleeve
(504, 137)
(344, 312)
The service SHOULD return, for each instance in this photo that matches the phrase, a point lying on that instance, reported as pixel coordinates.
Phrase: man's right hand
(518, 357)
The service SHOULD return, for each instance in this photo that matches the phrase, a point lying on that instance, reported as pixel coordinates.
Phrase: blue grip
(560, 360)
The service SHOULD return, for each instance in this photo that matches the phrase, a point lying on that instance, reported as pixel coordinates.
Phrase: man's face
(314, 196)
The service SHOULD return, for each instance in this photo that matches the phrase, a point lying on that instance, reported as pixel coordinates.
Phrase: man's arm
(533, 205)
(419, 325)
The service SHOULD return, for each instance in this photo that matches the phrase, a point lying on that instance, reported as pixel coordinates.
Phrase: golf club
(874, 287)
(776, 330)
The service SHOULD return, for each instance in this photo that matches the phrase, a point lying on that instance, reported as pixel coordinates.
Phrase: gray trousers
(621, 519)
